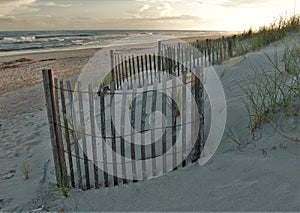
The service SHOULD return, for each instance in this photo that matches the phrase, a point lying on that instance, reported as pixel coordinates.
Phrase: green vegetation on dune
(275, 91)
(254, 40)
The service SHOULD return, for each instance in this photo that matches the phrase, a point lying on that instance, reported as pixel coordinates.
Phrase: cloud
(165, 9)
(231, 3)
(152, 9)
(145, 7)
(53, 4)
(13, 7)
(7, 18)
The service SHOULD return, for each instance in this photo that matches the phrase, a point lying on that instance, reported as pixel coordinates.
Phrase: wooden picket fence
(116, 152)
(173, 58)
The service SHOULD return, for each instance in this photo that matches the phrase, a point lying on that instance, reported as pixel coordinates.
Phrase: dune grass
(270, 92)
(62, 189)
(274, 91)
(25, 169)
(254, 40)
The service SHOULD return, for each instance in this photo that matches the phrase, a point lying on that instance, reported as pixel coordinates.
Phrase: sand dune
(260, 175)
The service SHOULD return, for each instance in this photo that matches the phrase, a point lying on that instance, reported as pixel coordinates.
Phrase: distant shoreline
(43, 53)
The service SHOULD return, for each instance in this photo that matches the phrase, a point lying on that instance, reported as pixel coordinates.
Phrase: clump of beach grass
(62, 189)
(25, 169)
(275, 91)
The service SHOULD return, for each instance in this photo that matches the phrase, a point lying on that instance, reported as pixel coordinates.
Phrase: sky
(230, 15)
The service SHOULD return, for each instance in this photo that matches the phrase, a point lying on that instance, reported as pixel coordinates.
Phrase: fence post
(48, 80)
(67, 133)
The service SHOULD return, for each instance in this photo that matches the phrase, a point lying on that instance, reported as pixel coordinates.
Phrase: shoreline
(88, 50)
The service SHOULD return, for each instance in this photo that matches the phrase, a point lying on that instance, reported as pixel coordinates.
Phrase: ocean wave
(9, 39)
(18, 48)
(20, 39)
(63, 35)
(27, 38)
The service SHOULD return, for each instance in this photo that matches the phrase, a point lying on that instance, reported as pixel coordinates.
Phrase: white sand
(255, 176)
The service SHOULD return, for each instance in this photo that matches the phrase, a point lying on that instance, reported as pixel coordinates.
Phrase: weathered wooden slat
(199, 136)
(130, 72)
(193, 56)
(138, 70)
(113, 121)
(190, 58)
(122, 132)
(146, 68)
(164, 112)
(143, 70)
(217, 51)
(197, 53)
(159, 60)
(93, 137)
(178, 59)
(155, 68)
(221, 50)
(182, 59)
(133, 69)
(183, 118)
(116, 75)
(193, 119)
(75, 136)
(126, 69)
(59, 139)
(200, 108)
(153, 127)
(67, 134)
(122, 69)
(186, 53)
(121, 77)
(132, 132)
(209, 51)
(103, 134)
(169, 60)
(213, 54)
(150, 69)
(230, 47)
(83, 137)
(49, 95)
(175, 111)
(143, 122)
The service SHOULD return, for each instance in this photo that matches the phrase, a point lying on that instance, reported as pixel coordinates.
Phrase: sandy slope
(262, 174)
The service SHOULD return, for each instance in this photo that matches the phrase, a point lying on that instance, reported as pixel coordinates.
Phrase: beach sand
(261, 175)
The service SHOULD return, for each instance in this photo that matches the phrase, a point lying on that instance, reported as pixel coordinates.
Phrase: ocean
(17, 42)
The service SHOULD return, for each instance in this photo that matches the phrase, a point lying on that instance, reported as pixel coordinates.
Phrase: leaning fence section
(172, 59)
(145, 124)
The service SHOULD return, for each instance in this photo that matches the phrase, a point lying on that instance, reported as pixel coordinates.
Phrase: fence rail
(115, 135)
